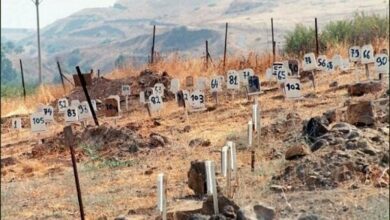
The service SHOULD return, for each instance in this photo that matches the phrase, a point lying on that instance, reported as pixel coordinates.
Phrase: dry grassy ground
(43, 188)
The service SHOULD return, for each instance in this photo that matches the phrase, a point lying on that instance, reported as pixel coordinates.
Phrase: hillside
(96, 37)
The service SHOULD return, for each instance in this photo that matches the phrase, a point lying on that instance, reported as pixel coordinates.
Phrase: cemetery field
(119, 160)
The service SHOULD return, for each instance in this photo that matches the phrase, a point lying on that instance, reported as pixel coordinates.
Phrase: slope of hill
(96, 37)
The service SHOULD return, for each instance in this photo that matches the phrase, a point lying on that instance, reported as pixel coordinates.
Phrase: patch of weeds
(97, 161)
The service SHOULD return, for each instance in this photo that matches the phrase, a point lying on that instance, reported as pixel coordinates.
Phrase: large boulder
(362, 88)
(197, 178)
(361, 114)
(296, 152)
(315, 128)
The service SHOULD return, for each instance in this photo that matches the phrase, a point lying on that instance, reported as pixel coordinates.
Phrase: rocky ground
(323, 157)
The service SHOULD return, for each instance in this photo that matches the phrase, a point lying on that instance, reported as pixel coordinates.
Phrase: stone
(199, 142)
(295, 152)
(315, 128)
(361, 114)
(332, 115)
(157, 140)
(318, 144)
(309, 217)
(362, 88)
(218, 217)
(8, 161)
(121, 217)
(198, 217)
(351, 144)
(229, 212)
(197, 178)
(333, 84)
(264, 212)
(208, 205)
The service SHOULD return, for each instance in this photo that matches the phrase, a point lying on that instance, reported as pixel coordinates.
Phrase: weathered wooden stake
(224, 51)
(61, 76)
(127, 103)
(367, 72)
(21, 72)
(253, 161)
(154, 37)
(207, 54)
(313, 80)
(273, 40)
(316, 32)
(98, 73)
(69, 140)
(83, 84)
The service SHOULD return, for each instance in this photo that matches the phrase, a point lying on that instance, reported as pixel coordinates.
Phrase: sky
(22, 13)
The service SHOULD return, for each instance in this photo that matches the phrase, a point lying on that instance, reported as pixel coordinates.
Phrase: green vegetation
(359, 30)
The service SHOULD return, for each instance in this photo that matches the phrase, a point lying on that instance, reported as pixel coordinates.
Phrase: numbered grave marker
(62, 104)
(175, 85)
(293, 65)
(354, 54)
(382, 63)
(322, 62)
(233, 154)
(292, 88)
(330, 66)
(16, 123)
(38, 122)
(309, 62)
(189, 81)
(197, 100)
(155, 103)
(282, 74)
(276, 66)
(112, 106)
(158, 89)
(245, 74)
(48, 113)
(84, 111)
(368, 54)
(216, 84)
(71, 114)
(233, 80)
(253, 85)
(126, 90)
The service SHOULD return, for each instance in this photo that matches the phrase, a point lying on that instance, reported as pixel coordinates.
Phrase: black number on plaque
(366, 54)
(308, 60)
(38, 120)
(201, 98)
(330, 65)
(293, 87)
(355, 53)
(233, 80)
(15, 124)
(281, 75)
(62, 104)
(71, 113)
(214, 83)
(381, 61)
(155, 100)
